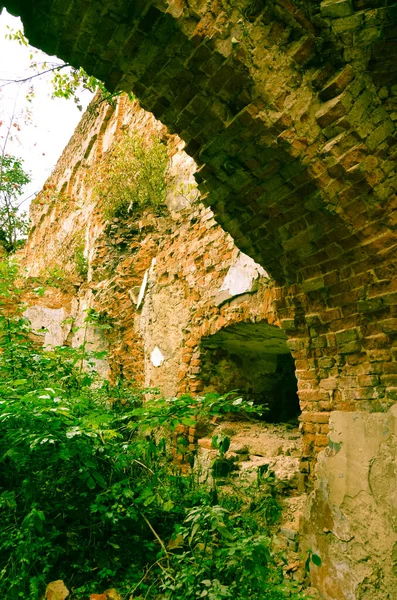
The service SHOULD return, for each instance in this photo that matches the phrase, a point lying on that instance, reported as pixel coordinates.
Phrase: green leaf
(149, 500)
(188, 421)
(168, 505)
(225, 445)
(99, 478)
(90, 481)
(194, 532)
(214, 442)
(316, 560)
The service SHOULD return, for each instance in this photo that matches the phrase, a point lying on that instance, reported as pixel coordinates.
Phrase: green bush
(132, 176)
(88, 493)
(81, 261)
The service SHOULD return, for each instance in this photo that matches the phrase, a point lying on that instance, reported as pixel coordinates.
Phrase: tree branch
(10, 81)
(158, 538)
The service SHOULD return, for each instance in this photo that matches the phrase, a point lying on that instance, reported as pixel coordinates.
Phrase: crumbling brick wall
(289, 110)
(338, 325)
(68, 215)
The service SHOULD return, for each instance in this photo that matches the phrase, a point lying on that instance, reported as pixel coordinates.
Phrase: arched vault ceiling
(290, 113)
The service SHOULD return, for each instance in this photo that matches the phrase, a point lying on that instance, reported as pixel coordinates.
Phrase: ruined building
(287, 111)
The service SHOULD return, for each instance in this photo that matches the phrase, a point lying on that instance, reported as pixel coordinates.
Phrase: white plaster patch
(142, 291)
(109, 135)
(157, 357)
(242, 275)
(88, 334)
(49, 322)
(68, 225)
(143, 288)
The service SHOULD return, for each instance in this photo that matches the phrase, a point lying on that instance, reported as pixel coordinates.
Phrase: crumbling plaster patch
(89, 335)
(142, 289)
(164, 317)
(50, 323)
(61, 327)
(241, 275)
(351, 520)
(182, 187)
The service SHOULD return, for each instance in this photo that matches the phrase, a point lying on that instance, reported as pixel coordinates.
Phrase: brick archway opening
(254, 359)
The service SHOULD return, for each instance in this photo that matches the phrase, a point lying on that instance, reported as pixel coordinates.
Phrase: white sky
(39, 142)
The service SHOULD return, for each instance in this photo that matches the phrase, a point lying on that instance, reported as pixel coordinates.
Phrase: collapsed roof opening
(254, 359)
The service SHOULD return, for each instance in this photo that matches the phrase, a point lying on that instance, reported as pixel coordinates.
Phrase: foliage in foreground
(87, 493)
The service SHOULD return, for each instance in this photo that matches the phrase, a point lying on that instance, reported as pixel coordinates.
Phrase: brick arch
(290, 115)
(215, 321)
(291, 121)
(288, 161)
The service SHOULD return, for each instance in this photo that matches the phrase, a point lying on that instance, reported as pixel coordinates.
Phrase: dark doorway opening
(254, 359)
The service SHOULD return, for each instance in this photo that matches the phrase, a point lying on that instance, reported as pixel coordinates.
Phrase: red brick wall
(340, 316)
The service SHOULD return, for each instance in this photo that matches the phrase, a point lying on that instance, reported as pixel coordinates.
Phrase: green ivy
(81, 261)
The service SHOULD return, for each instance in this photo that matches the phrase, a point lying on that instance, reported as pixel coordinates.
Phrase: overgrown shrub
(132, 176)
(80, 260)
(88, 493)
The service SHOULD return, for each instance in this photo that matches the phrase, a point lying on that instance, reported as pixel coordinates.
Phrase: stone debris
(56, 590)
(254, 445)
(111, 594)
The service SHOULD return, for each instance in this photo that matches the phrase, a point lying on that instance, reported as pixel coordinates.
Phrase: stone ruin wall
(289, 110)
(187, 303)
(185, 255)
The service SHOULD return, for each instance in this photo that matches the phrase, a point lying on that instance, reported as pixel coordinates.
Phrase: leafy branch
(64, 84)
